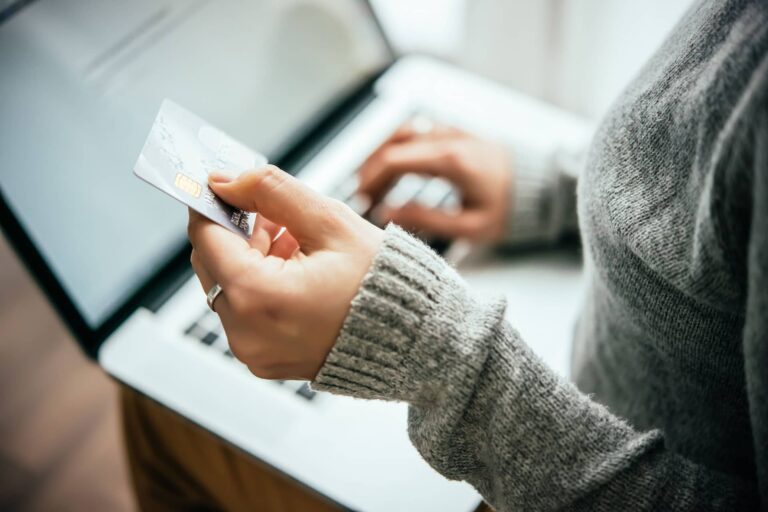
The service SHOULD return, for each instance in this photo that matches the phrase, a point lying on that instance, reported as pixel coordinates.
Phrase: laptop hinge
(303, 146)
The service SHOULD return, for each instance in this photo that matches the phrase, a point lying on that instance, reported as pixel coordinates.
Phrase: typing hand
(283, 301)
(478, 168)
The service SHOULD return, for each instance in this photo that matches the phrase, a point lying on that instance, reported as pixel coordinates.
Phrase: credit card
(179, 153)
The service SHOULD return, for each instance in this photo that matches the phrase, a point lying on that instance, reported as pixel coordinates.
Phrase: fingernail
(222, 176)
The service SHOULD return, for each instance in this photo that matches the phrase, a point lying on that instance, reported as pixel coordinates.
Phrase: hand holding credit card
(179, 153)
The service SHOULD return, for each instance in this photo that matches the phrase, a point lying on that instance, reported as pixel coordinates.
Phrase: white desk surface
(544, 290)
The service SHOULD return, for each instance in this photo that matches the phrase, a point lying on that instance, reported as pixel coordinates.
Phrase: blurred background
(60, 447)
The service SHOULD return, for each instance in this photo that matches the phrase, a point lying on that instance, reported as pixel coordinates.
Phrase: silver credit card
(181, 150)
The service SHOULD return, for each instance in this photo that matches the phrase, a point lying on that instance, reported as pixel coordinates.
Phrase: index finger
(422, 156)
(223, 253)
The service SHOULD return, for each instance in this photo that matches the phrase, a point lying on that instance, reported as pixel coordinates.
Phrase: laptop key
(405, 190)
(196, 331)
(359, 204)
(434, 193)
(346, 189)
(209, 338)
(305, 392)
(209, 321)
(451, 202)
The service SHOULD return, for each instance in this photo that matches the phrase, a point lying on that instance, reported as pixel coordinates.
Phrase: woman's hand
(284, 300)
(481, 171)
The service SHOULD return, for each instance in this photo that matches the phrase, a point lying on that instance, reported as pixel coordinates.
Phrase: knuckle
(446, 154)
(266, 180)
(453, 155)
(473, 228)
(383, 158)
(271, 177)
(270, 172)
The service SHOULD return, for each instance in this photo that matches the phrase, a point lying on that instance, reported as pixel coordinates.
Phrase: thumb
(278, 196)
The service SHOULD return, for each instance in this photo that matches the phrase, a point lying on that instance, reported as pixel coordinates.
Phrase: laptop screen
(82, 82)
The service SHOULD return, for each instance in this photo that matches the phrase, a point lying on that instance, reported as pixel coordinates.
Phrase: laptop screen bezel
(174, 271)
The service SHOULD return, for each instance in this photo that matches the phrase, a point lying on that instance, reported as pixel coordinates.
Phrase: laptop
(315, 86)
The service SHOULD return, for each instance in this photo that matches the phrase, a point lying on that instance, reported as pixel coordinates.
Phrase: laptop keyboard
(207, 330)
(429, 192)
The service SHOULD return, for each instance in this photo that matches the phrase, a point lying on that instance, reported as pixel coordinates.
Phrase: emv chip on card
(181, 150)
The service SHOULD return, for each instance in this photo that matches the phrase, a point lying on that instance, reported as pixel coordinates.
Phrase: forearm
(486, 410)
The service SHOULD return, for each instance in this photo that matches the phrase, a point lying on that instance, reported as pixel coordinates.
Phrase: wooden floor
(60, 446)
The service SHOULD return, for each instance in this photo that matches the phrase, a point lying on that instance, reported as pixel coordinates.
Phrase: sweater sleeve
(485, 409)
(541, 205)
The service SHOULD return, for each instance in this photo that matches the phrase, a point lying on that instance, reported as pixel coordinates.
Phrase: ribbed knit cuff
(383, 323)
(532, 198)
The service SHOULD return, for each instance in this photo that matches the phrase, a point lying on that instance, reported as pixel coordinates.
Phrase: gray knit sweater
(669, 410)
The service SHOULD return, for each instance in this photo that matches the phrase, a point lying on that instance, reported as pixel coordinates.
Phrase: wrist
(395, 338)
(527, 218)
(382, 324)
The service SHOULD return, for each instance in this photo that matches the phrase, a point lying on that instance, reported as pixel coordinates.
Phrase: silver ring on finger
(212, 294)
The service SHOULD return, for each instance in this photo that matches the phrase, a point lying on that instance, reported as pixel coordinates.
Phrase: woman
(671, 350)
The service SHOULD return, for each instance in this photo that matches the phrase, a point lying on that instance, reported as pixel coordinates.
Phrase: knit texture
(669, 410)
(542, 197)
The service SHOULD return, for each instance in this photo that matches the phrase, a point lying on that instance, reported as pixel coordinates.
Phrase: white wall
(425, 26)
(578, 54)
